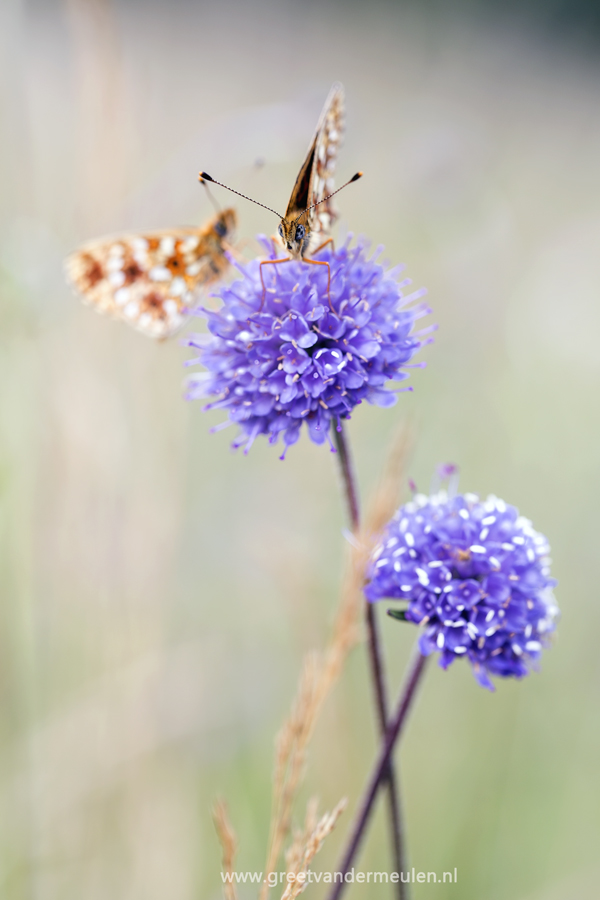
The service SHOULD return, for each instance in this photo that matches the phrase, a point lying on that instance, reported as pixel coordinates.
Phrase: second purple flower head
(475, 576)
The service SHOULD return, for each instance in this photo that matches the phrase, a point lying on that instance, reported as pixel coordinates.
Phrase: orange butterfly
(147, 280)
(309, 212)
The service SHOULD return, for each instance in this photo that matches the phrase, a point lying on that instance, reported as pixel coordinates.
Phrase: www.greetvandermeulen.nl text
(311, 877)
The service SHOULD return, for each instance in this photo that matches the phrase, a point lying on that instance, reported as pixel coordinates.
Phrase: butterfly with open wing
(310, 214)
(148, 280)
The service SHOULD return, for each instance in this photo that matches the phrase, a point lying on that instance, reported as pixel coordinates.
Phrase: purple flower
(294, 354)
(475, 574)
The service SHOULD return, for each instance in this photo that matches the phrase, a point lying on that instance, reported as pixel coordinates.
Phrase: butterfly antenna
(210, 196)
(354, 178)
(203, 177)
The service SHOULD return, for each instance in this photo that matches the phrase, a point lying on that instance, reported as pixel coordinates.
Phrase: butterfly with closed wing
(310, 214)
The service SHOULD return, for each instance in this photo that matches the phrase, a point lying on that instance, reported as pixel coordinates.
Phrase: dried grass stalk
(320, 672)
(295, 854)
(305, 853)
(228, 841)
(389, 492)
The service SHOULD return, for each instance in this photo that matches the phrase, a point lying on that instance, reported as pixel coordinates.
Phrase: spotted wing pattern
(315, 178)
(149, 280)
(327, 142)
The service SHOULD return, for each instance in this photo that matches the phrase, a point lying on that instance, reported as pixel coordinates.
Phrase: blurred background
(158, 590)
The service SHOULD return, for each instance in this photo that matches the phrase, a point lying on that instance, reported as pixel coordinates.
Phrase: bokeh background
(159, 591)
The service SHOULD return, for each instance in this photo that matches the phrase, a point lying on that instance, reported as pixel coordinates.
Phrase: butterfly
(148, 280)
(315, 180)
(309, 212)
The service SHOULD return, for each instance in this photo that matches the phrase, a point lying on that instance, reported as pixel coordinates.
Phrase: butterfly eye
(220, 229)
(300, 232)
(280, 230)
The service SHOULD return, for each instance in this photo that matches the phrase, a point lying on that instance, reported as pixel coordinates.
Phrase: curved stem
(379, 772)
(375, 656)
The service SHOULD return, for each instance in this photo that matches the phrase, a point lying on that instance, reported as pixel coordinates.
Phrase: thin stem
(394, 804)
(351, 492)
(348, 478)
(378, 776)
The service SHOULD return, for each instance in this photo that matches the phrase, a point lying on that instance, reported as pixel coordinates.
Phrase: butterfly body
(148, 280)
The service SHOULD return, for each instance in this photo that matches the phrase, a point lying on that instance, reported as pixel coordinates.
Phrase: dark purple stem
(391, 736)
(351, 491)
(394, 802)
(348, 479)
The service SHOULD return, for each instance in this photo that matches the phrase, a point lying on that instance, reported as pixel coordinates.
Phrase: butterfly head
(295, 234)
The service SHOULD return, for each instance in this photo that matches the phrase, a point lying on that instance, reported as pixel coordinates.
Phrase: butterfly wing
(315, 179)
(148, 280)
(328, 140)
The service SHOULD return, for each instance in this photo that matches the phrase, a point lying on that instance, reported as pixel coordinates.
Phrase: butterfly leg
(316, 262)
(269, 262)
(324, 244)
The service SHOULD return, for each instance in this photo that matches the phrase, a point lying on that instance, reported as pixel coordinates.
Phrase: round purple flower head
(475, 575)
(294, 354)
